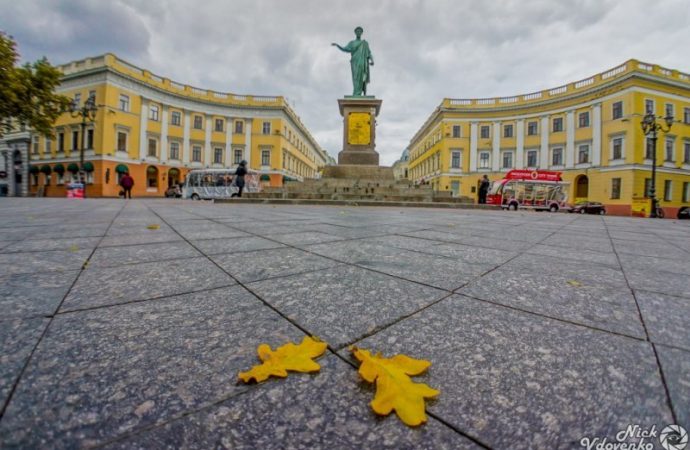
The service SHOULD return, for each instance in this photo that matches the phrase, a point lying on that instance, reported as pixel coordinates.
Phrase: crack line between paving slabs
(50, 321)
(644, 325)
(330, 348)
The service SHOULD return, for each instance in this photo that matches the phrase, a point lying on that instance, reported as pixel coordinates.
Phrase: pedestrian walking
(240, 172)
(484, 189)
(127, 182)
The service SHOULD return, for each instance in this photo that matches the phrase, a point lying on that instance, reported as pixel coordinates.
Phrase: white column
(248, 142)
(544, 150)
(164, 134)
(496, 158)
(142, 127)
(520, 143)
(473, 146)
(185, 138)
(228, 142)
(569, 139)
(207, 143)
(596, 135)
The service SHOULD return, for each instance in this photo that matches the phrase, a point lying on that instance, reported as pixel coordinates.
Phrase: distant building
(400, 166)
(14, 163)
(158, 130)
(590, 130)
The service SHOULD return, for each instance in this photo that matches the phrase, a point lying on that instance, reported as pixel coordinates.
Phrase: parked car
(588, 208)
(174, 192)
(684, 213)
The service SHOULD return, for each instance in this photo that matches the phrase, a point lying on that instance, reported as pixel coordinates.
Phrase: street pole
(652, 190)
(81, 153)
(86, 112)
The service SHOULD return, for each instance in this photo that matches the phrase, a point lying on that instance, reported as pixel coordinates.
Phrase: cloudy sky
(424, 50)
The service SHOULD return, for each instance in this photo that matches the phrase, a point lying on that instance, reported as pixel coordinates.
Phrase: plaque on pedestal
(359, 130)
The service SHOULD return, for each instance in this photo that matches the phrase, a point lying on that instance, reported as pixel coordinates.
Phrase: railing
(558, 90)
(613, 72)
(460, 102)
(532, 96)
(508, 100)
(583, 83)
(177, 86)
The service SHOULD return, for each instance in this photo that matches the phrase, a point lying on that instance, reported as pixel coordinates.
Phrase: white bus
(206, 184)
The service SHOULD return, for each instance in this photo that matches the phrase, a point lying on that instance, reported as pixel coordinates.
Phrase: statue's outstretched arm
(344, 49)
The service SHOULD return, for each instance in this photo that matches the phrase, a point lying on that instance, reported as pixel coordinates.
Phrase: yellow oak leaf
(297, 358)
(394, 388)
(574, 283)
(73, 248)
(153, 227)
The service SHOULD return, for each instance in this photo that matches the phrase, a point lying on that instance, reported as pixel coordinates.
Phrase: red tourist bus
(533, 189)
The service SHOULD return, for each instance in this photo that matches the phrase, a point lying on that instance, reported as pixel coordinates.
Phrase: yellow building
(400, 166)
(590, 130)
(158, 130)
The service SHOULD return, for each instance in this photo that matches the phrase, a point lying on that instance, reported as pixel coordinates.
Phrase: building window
(615, 188)
(266, 128)
(508, 131)
(532, 128)
(668, 190)
(34, 147)
(649, 149)
(507, 160)
(218, 155)
(175, 118)
(484, 160)
(265, 157)
(686, 192)
(196, 153)
(124, 103)
(557, 124)
(456, 131)
(669, 110)
(47, 147)
(532, 158)
(89, 139)
(557, 157)
(198, 122)
(484, 132)
(668, 154)
(238, 156)
(686, 116)
(455, 160)
(649, 106)
(77, 99)
(617, 110)
(175, 150)
(647, 187)
(583, 119)
(617, 148)
(583, 154)
(239, 125)
(153, 112)
(75, 140)
(686, 152)
(152, 148)
(121, 141)
(219, 125)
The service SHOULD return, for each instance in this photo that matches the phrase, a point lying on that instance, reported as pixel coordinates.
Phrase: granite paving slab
(123, 230)
(48, 261)
(574, 242)
(82, 231)
(150, 236)
(113, 285)
(234, 245)
(17, 340)
(33, 294)
(642, 263)
(264, 264)
(560, 296)
(472, 255)
(576, 254)
(656, 280)
(38, 245)
(344, 303)
(304, 238)
(667, 318)
(137, 365)
(658, 249)
(130, 254)
(676, 366)
(219, 231)
(328, 410)
(515, 380)
(497, 241)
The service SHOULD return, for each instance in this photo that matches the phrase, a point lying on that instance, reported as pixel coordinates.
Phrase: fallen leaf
(154, 226)
(297, 358)
(394, 388)
(73, 248)
(574, 283)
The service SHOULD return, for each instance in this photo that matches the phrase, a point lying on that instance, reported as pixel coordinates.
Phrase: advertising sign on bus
(531, 189)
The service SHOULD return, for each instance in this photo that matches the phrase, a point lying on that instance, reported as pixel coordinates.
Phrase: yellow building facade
(590, 130)
(158, 130)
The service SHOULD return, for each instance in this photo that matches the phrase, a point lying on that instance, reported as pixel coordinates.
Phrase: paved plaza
(542, 329)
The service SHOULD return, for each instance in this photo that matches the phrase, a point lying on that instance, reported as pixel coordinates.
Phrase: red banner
(536, 175)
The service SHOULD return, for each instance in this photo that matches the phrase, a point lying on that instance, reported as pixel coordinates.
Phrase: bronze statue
(360, 60)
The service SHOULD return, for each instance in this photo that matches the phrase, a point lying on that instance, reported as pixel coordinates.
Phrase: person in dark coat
(240, 172)
(484, 189)
(127, 182)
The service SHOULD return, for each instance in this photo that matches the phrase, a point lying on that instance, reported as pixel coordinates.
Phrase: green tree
(27, 93)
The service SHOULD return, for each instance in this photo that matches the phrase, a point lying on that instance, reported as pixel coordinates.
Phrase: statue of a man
(360, 60)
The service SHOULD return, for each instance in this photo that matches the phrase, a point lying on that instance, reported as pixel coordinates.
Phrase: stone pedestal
(359, 130)
(358, 172)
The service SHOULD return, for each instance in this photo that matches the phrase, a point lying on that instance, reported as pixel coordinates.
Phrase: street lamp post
(650, 128)
(87, 112)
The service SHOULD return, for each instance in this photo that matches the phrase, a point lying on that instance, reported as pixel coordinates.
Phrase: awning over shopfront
(72, 167)
(59, 168)
(121, 168)
(265, 177)
(88, 166)
(46, 169)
